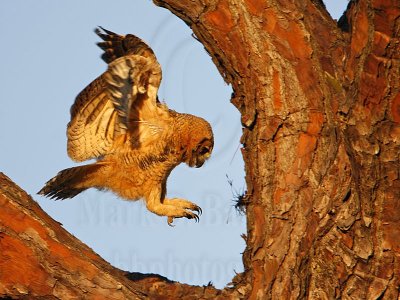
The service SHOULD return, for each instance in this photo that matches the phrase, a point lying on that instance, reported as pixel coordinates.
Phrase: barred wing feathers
(93, 126)
(122, 101)
(116, 46)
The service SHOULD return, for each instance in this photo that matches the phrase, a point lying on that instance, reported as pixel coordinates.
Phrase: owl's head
(200, 142)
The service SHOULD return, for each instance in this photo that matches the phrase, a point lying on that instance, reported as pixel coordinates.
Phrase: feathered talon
(188, 215)
(170, 220)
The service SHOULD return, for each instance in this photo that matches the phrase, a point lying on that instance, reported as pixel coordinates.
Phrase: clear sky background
(48, 55)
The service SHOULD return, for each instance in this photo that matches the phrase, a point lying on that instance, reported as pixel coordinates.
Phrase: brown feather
(70, 182)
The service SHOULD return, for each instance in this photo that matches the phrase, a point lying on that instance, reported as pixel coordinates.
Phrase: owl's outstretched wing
(122, 102)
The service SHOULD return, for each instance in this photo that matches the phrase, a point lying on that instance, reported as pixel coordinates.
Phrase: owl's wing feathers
(115, 45)
(93, 124)
(133, 82)
(122, 101)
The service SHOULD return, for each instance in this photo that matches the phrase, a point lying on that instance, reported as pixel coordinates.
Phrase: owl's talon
(170, 220)
(199, 210)
(196, 218)
(191, 215)
(188, 215)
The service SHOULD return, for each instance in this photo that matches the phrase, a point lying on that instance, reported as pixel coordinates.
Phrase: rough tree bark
(40, 259)
(320, 109)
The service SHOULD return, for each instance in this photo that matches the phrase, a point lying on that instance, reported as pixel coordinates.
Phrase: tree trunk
(320, 109)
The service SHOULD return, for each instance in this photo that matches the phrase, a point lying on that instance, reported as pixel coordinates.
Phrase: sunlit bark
(320, 109)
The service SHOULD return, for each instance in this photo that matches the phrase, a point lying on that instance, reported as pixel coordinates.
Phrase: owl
(136, 140)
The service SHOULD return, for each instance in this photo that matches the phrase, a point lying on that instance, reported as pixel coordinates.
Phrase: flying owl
(136, 140)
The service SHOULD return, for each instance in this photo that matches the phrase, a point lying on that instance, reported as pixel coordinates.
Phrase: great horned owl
(136, 140)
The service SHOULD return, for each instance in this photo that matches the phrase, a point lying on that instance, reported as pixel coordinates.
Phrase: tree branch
(39, 258)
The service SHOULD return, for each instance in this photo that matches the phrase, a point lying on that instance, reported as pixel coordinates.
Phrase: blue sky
(48, 56)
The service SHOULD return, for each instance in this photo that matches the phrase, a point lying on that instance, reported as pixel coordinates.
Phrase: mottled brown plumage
(136, 140)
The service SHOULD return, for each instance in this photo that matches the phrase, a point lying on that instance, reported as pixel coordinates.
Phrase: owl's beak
(199, 163)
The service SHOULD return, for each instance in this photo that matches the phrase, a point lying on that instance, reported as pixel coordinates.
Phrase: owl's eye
(204, 150)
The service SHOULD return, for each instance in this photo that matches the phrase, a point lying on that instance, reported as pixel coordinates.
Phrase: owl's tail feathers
(70, 182)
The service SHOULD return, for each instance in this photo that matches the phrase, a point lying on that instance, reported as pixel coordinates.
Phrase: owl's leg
(168, 207)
